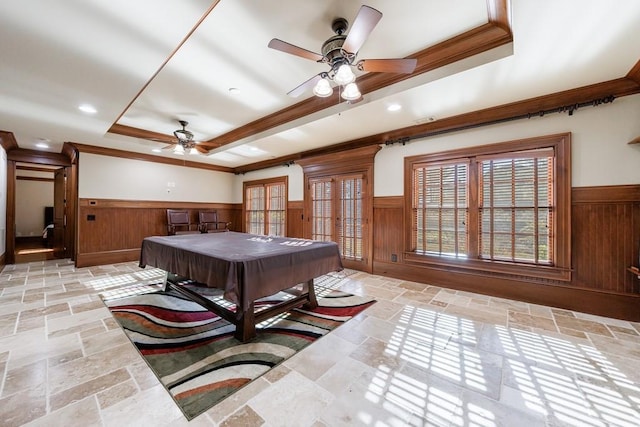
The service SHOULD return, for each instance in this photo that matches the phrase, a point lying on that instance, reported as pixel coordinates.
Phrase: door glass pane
(349, 221)
(322, 216)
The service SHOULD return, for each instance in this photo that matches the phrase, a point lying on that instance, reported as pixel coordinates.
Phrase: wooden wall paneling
(10, 246)
(614, 305)
(119, 226)
(606, 237)
(71, 229)
(387, 228)
(295, 224)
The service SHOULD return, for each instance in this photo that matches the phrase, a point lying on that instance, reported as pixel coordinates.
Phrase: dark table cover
(245, 266)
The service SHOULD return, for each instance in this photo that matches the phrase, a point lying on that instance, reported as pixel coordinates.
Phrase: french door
(338, 213)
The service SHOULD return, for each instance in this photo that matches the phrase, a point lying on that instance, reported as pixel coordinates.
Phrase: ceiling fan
(339, 52)
(185, 142)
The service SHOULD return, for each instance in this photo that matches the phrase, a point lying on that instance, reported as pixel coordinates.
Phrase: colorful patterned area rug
(193, 353)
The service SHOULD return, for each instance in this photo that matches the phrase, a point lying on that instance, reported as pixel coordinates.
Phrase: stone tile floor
(421, 356)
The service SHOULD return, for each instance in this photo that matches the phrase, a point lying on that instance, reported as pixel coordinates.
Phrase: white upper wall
(294, 172)
(104, 177)
(600, 153)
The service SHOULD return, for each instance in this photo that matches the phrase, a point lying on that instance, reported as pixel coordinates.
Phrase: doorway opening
(34, 206)
(61, 236)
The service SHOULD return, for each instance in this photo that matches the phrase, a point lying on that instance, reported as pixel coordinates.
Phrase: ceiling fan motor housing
(183, 135)
(332, 48)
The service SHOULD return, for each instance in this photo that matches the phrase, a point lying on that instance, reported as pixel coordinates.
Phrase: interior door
(59, 210)
(338, 214)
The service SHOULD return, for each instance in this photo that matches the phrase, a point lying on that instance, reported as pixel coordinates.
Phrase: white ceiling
(127, 58)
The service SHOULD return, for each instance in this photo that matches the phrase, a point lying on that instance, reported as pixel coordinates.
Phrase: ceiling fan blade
(388, 65)
(365, 21)
(304, 86)
(282, 46)
(169, 147)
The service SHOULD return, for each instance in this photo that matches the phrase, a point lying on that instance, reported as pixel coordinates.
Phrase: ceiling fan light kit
(351, 92)
(344, 75)
(339, 52)
(323, 88)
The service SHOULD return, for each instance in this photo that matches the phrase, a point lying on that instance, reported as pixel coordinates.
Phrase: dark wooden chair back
(208, 222)
(179, 222)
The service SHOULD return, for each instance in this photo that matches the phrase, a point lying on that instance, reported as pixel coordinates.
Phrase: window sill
(490, 267)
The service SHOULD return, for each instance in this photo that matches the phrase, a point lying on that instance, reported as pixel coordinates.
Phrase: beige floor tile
(293, 401)
(24, 406)
(314, 361)
(237, 400)
(537, 322)
(587, 326)
(8, 324)
(493, 316)
(87, 389)
(152, 407)
(79, 371)
(81, 414)
(245, 417)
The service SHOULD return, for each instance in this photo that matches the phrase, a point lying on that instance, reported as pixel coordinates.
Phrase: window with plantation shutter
(440, 209)
(516, 207)
(501, 208)
(265, 207)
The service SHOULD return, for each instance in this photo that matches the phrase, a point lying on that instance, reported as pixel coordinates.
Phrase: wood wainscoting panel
(606, 237)
(112, 231)
(387, 228)
(295, 224)
(607, 304)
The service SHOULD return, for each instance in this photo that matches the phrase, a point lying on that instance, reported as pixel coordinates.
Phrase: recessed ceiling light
(42, 145)
(86, 108)
(394, 107)
(234, 91)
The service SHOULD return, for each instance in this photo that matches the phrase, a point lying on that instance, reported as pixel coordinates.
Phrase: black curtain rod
(567, 108)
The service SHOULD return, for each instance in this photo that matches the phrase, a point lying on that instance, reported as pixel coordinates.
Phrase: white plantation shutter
(349, 221)
(276, 209)
(513, 210)
(322, 210)
(440, 208)
(516, 207)
(254, 209)
(265, 209)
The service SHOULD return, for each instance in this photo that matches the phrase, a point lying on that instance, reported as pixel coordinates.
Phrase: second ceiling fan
(184, 142)
(340, 52)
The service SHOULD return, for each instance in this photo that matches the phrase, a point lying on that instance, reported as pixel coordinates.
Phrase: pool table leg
(246, 325)
(310, 289)
(165, 285)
